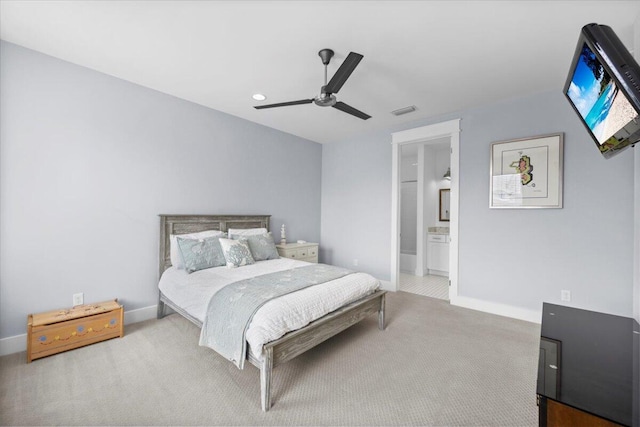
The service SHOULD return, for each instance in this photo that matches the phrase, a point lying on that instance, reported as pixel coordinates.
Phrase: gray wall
(88, 161)
(356, 204)
(518, 258)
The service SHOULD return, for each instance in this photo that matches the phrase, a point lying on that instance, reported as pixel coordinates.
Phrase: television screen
(598, 89)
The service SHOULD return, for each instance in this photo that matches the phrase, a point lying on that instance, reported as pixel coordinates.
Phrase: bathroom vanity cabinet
(438, 254)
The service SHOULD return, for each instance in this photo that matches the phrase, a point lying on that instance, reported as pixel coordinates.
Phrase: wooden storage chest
(61, 330)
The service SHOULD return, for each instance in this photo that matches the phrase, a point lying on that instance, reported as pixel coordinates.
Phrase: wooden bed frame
(293, 343)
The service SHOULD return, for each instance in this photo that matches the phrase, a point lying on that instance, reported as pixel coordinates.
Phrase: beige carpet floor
(435, 364)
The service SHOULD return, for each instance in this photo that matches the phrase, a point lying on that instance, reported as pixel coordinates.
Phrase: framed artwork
(527, 173)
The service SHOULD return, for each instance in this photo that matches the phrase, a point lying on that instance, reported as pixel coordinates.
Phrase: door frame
(426, 134)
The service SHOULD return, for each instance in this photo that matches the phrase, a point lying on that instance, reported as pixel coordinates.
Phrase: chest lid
(76, 312)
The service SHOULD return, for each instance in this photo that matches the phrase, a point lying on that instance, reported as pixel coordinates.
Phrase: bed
(279, 350)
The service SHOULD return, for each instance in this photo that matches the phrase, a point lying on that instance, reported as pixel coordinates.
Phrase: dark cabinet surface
(589, 362)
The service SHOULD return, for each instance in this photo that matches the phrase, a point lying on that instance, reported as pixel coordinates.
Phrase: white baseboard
(13, 344)
(140, 314)
(439, 273)
(499, 309)
(18, 343)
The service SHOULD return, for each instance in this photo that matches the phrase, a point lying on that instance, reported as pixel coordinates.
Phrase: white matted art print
(527, 173)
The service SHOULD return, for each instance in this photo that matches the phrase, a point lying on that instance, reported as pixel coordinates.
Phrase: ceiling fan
(327, 96)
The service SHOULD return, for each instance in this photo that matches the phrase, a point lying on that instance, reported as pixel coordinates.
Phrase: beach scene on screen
(599, 101)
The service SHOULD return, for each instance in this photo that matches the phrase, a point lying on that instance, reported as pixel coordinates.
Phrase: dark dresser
(589, 368)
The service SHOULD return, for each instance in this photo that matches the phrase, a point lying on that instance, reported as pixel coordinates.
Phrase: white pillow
(236, 252)
(246, 231)
(176, 259)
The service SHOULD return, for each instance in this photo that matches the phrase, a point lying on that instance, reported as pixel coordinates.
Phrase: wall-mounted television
(603, 86)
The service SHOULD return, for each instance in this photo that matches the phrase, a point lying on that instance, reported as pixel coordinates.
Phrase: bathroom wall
(441, 161)
(409, 200)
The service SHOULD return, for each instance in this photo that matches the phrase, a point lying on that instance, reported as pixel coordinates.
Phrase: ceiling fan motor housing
(326, 55)
(325, 99)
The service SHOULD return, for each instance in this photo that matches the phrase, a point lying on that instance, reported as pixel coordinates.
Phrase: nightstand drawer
(288, 253)
(303, 251)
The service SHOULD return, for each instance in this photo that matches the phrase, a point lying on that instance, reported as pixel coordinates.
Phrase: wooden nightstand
(302, 251)
(61, 330)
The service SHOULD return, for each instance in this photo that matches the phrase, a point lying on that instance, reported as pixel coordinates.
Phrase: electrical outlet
(355, 262)
(565, 295)
(78, 299)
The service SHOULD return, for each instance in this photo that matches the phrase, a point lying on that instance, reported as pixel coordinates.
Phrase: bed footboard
(297, 342)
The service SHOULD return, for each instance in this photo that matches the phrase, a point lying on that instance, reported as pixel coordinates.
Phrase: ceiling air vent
(405, 110)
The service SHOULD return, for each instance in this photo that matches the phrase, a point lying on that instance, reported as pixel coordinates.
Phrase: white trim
(533, 316)
(421, 227)
(13, 344)
(449, 129)
(140, 314)
(438, 273)
(455, 203)
(395, 217)
(434, 131)
(18, 343)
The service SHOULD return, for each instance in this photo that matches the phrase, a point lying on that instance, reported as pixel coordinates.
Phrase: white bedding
(192, 292)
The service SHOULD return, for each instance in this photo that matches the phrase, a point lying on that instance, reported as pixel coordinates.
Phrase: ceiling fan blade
(284, 104)
(343, 73)
(350, 110)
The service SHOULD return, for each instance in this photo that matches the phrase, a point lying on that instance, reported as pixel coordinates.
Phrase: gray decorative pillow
(198, 254)
(176, 258)
(236, 252)
(262, 246)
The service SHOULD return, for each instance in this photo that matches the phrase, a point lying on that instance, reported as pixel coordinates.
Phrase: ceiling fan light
(258, 97)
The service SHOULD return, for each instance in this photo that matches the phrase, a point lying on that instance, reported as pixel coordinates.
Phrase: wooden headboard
(183, 224)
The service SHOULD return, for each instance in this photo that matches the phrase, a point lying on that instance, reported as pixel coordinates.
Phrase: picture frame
(527, 173)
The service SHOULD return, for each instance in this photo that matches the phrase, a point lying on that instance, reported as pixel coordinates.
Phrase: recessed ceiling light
(259, 97)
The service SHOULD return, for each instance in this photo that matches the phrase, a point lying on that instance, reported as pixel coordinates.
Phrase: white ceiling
(440, 56)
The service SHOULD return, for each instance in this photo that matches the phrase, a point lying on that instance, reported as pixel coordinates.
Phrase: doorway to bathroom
(425, 183)
(424, 233)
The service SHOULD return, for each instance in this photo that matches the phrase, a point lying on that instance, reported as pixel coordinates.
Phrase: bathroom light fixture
(447, 174)
(259, 97)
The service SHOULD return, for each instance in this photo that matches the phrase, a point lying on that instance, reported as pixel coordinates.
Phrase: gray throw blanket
(231, 309)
